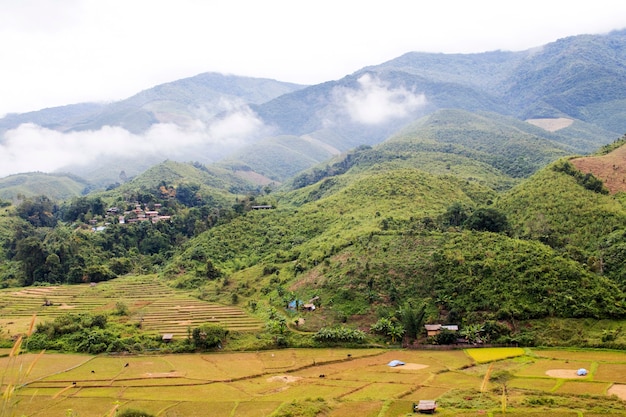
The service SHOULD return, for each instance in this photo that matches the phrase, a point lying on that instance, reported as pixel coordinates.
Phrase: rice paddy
(157, 307)
(297, 382)
(346, 382)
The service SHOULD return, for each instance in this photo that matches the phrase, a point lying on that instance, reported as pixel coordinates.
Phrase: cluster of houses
(138, 214)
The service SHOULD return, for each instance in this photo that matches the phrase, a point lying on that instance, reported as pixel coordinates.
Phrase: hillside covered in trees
(417, 229)
(485, 193)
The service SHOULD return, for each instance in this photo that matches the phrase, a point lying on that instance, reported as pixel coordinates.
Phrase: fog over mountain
(215, 117)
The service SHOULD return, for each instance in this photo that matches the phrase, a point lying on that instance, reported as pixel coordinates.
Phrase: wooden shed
(425, 407)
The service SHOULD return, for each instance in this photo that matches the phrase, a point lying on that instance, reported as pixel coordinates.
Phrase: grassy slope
(513, 147)
(550, 206)
(55, 186)
(216, 182)
(362, 241)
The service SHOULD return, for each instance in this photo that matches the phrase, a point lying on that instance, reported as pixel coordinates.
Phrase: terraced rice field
(157, 307)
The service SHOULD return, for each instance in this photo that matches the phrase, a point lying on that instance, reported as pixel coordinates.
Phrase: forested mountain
(265, 124)
(448, 187)
(181, 102)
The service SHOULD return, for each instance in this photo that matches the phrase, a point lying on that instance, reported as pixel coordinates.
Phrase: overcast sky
(68, 51)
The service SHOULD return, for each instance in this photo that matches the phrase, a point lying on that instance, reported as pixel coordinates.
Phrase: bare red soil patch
(610, 168)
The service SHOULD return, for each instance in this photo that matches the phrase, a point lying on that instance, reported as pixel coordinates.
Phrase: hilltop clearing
(610, 168)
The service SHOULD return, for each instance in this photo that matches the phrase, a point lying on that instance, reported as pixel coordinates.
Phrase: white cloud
(34, 148)
(375, 102)
(57, 53)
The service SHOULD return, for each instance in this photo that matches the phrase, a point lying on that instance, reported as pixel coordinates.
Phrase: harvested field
(618, 390)
(284, 378)
(345, 381)
(154, 305)
(564, 373)
(412, 367)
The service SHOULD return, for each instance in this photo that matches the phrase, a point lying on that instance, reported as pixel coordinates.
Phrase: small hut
(425, 407)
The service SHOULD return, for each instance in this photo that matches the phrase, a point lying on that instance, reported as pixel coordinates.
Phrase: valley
(266, 248)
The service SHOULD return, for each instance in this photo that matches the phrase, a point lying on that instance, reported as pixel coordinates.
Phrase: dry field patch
(565, 374)
(411, 367)
(215, 391)
(299, 391)
(258, 383)
(526, 413)
(202, 409)
(619, 390)
(612, 372)
(255, 408)
(426, 393)
(357, 408)
(610, 168)
(582, 388)
(582, 355)
(284, 378)
(457, 379)
(40, 366)
(534, 384)
(540, 367)
(380, 391)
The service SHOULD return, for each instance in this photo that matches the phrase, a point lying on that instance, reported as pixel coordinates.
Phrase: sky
(69, 51)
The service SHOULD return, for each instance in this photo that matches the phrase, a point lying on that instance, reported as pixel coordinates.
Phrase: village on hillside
(138, 214)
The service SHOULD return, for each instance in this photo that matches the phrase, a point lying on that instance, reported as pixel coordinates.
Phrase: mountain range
(275, 129)
(482, 188)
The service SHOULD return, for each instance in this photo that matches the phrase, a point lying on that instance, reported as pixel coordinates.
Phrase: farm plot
(157, 307)
(177, 315)
(343, 381)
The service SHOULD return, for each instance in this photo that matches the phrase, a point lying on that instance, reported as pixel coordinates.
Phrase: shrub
(208, 336)
(130, 412)
(339, 334)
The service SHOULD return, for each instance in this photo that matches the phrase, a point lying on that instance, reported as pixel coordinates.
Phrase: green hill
(56, 186)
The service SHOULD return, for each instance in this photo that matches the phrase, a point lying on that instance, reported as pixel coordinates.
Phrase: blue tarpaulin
(395, 363)
(581, 372)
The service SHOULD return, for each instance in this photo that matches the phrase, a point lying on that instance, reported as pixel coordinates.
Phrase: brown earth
(411, 366)
(610, 168)
(619, 390)
(284, 378)
(564, 373)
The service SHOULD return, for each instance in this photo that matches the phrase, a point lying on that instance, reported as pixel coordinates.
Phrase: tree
(412, 318)
(208, 336)
(455, 215)
(445, 337)
(30, 252)
(38, 211)
(211, 271)
(487, 219)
